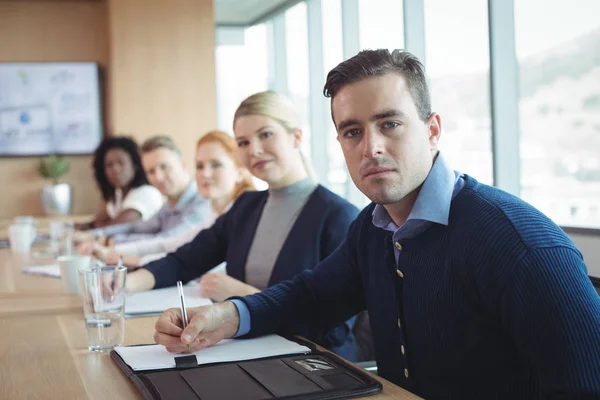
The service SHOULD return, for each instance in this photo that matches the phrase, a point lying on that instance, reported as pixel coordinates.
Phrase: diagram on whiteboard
(49, 108)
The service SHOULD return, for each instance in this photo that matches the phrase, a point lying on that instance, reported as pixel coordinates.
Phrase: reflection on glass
(241, 70)
(381, 24)
(559, 110)
(457, 56)
(332, 56)
(296, 30)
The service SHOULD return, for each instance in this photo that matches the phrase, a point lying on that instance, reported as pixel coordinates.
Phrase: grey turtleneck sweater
(277, 219)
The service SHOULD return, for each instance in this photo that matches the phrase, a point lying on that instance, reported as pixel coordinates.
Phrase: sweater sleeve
(552, 312)
(207, 250)
(314, 301)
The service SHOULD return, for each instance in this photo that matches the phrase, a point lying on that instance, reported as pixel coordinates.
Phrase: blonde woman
(220, 177)
(268, 236)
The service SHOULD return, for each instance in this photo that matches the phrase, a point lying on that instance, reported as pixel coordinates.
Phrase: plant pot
(56, 199)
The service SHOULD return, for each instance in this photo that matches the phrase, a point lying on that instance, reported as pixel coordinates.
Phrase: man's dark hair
(370, 63)
(126, 144)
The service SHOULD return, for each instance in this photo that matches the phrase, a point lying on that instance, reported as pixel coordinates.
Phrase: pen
(184, 317)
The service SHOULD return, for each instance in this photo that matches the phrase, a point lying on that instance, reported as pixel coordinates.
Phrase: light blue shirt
(190, 210)
(432, 206)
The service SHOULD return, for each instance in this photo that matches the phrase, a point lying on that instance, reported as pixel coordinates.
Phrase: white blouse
(145, 199)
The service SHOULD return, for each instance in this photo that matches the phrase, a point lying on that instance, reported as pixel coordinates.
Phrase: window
(559, 108)
(241, 70)
(381, 24)
(332, 56)
(296, 34)
(457, 57)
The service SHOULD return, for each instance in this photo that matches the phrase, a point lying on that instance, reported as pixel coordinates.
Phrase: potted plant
(55, 197)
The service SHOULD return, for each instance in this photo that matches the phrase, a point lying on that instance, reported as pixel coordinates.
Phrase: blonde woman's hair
(228, 143)
(279, 108)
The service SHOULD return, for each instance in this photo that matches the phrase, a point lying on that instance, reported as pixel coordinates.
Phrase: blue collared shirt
(431, 207)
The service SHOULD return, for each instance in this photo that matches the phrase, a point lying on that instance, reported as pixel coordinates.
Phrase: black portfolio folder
(314, 376)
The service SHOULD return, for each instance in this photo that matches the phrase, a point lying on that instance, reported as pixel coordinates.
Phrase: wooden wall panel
(163, 69)
(50, 31)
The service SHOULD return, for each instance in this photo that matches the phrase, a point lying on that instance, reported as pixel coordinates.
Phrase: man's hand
(208, 326)
(219, 286)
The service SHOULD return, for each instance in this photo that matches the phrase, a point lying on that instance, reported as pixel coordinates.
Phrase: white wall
(590, 247)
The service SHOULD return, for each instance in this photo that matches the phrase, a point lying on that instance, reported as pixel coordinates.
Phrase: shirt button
(402, 349)
(398, 246)
(400, 274)
(399, 324)
(405, 372)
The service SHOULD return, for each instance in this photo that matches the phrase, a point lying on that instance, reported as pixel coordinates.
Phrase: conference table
(43, 345)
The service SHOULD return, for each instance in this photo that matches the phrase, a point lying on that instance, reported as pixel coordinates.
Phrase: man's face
(388, 149)
(165, 171)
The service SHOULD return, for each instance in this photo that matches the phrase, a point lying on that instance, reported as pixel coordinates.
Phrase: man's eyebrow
(388, 114)
(381, 115)
(347, 123)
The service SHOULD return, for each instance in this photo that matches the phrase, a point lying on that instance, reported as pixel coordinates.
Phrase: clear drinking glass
(66, 240)
(103, 294)
(56, 231)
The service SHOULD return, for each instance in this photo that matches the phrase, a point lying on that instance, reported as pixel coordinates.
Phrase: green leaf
(53, 167)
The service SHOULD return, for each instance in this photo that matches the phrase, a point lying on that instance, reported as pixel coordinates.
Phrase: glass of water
(103, 293)
(67, 232)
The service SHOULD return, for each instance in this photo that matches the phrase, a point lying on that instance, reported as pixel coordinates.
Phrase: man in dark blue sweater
(471, 292)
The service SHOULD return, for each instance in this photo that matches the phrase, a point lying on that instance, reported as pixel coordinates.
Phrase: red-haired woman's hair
(230, 147)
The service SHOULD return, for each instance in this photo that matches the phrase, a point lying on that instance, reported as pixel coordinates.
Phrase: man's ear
(434, 128)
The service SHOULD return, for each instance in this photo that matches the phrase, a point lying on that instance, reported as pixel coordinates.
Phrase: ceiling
(247, 12)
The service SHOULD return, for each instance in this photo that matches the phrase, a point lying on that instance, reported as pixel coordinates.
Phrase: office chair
(596, 283)
(364, 343)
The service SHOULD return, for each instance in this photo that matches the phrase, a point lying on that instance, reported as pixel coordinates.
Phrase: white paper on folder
(52, 270)
(158, 300)
(145, 358)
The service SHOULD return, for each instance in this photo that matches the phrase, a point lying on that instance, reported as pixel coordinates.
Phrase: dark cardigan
(320, 228)
(495, 305)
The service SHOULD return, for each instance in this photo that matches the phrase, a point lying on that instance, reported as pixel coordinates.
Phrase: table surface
(43, 346)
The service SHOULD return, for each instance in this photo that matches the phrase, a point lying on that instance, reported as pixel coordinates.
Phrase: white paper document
(158, 300)
(52, 270)
(144, 358)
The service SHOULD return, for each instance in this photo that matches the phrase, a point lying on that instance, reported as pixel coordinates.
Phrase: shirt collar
(433, 200)
(188, 195)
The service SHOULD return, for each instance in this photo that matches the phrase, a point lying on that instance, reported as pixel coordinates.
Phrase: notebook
(51, 270)
(152, 357)
(146, 303)
(269, 367)
(154, 302)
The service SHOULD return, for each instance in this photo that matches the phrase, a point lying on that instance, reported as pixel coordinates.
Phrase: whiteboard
(49, 108)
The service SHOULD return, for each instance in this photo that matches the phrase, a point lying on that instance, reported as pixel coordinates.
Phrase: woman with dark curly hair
(122, 181)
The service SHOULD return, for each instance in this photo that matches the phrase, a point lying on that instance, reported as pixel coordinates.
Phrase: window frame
(504, 82)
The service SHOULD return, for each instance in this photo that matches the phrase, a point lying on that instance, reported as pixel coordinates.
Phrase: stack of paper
(145, 358)
(152, 302)
(52, 270)
(149, 302)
